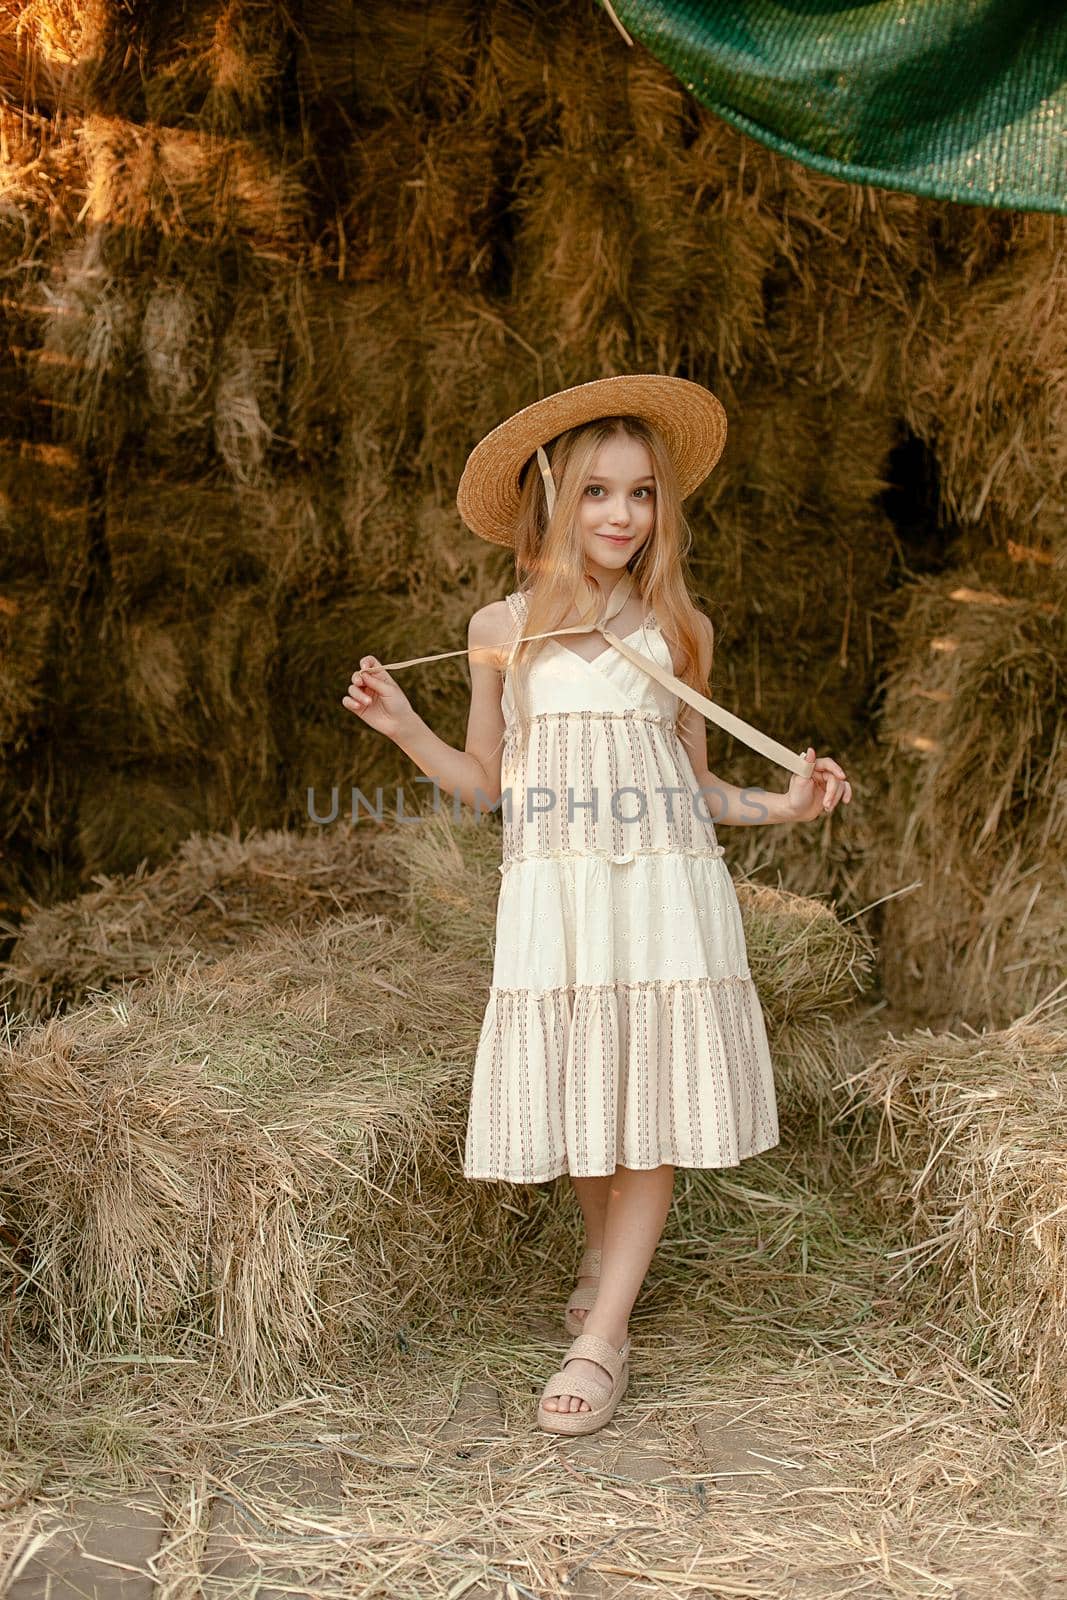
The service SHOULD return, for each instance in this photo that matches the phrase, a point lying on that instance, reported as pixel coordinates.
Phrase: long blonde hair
(550, 561)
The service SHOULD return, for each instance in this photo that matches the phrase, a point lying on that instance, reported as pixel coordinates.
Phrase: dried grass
(988, 390)
(44, 516)
(355, 390)
(57, 53)
(975, 758)
(319, 742)
(480, 362)
(249, 386)
(89, 341)
(218, 893)
(192, 1166)
(195, 1166)
(220, 62)
(421, 211)
(39, 161)
(29, 633)
(891, 1472)
(211, 190)
(971, 1157)
(387, 60)
(122, 814)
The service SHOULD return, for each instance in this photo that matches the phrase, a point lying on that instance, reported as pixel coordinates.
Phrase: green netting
(958, 99)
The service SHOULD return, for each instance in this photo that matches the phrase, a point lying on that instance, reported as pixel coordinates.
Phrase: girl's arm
(804, 800)
(474, 773)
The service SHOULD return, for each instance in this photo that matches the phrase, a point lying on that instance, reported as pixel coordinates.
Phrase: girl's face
(617, 506)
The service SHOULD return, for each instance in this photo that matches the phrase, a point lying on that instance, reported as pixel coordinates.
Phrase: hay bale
(44, 522)
(56, 55)
(40, 157)
(218, 64)
(173, 543)
(218, 893)
(255, 1159)
(210, 359)
(177, 340)
(976, 763)
(556, 69)
(171, 681)
(308, 540)
(29, 634)
(253, 1162)
(121, 816)
(249, 383)
(387, 60)
(89, 343)
(970, 1155)
(983, 386)
(354, 361)
(479, 363)
(180, 180)
(421, 206)
(319, 648)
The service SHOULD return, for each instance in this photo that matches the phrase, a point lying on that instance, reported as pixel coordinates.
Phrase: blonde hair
(550, 561)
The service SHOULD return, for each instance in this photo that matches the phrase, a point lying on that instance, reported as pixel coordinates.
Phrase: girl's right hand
(376, 697)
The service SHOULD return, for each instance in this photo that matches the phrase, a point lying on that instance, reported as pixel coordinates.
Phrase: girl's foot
(589, 1369)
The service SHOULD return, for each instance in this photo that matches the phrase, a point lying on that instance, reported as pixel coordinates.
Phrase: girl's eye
(597, 488)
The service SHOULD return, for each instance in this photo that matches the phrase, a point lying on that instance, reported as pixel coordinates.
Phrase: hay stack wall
(265, 284)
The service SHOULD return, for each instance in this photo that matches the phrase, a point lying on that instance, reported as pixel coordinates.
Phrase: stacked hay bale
(973, 733)
(218, 893)
(976, 777)
(252, 1158)
(970, 1159)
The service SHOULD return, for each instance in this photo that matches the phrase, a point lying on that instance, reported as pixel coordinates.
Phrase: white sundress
(623, 1025)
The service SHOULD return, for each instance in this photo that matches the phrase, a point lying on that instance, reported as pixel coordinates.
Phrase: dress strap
(517, 605)
(736, 726)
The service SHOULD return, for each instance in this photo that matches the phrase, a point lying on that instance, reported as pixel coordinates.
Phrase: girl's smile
(618, 504)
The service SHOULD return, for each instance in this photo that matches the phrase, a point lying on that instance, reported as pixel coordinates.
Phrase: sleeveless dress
(623, 1025)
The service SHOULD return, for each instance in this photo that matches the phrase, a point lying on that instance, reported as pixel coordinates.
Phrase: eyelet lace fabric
(622, 1025)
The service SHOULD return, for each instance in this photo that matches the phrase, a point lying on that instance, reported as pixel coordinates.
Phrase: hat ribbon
(761, 742)
(550, 482)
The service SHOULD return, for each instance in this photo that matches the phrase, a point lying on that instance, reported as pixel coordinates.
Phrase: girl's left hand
(809, 798)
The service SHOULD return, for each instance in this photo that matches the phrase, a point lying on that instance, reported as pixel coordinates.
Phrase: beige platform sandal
(584, 1296)
(590, 1347)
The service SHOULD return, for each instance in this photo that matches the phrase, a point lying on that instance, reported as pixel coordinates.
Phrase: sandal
(601, 1406)
(585, 1294)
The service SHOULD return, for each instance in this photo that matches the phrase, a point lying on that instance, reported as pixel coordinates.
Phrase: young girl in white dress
(623, 1035)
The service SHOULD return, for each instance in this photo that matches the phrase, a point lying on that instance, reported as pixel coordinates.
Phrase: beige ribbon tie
(734, 725)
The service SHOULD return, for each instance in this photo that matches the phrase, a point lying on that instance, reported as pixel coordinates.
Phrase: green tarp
(958, 99)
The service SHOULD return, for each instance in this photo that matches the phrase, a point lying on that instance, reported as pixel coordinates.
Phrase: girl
(623, 1035)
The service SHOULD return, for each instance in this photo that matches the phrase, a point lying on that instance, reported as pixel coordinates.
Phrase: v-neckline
(626, 637)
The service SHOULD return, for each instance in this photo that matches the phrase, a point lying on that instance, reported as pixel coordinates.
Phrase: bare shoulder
(489, 633)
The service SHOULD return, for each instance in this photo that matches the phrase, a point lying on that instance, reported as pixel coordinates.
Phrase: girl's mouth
(616, 538)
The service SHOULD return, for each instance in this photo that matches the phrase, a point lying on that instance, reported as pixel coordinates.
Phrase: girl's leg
(637, 1208)
(593, 1198)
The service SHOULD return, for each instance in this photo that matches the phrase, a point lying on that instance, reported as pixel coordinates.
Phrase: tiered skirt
(622, 1026)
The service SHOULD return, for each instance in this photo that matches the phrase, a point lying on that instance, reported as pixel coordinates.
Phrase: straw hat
(690, 418)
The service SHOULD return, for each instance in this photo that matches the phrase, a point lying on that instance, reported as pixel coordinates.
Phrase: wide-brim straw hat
(689, 417)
